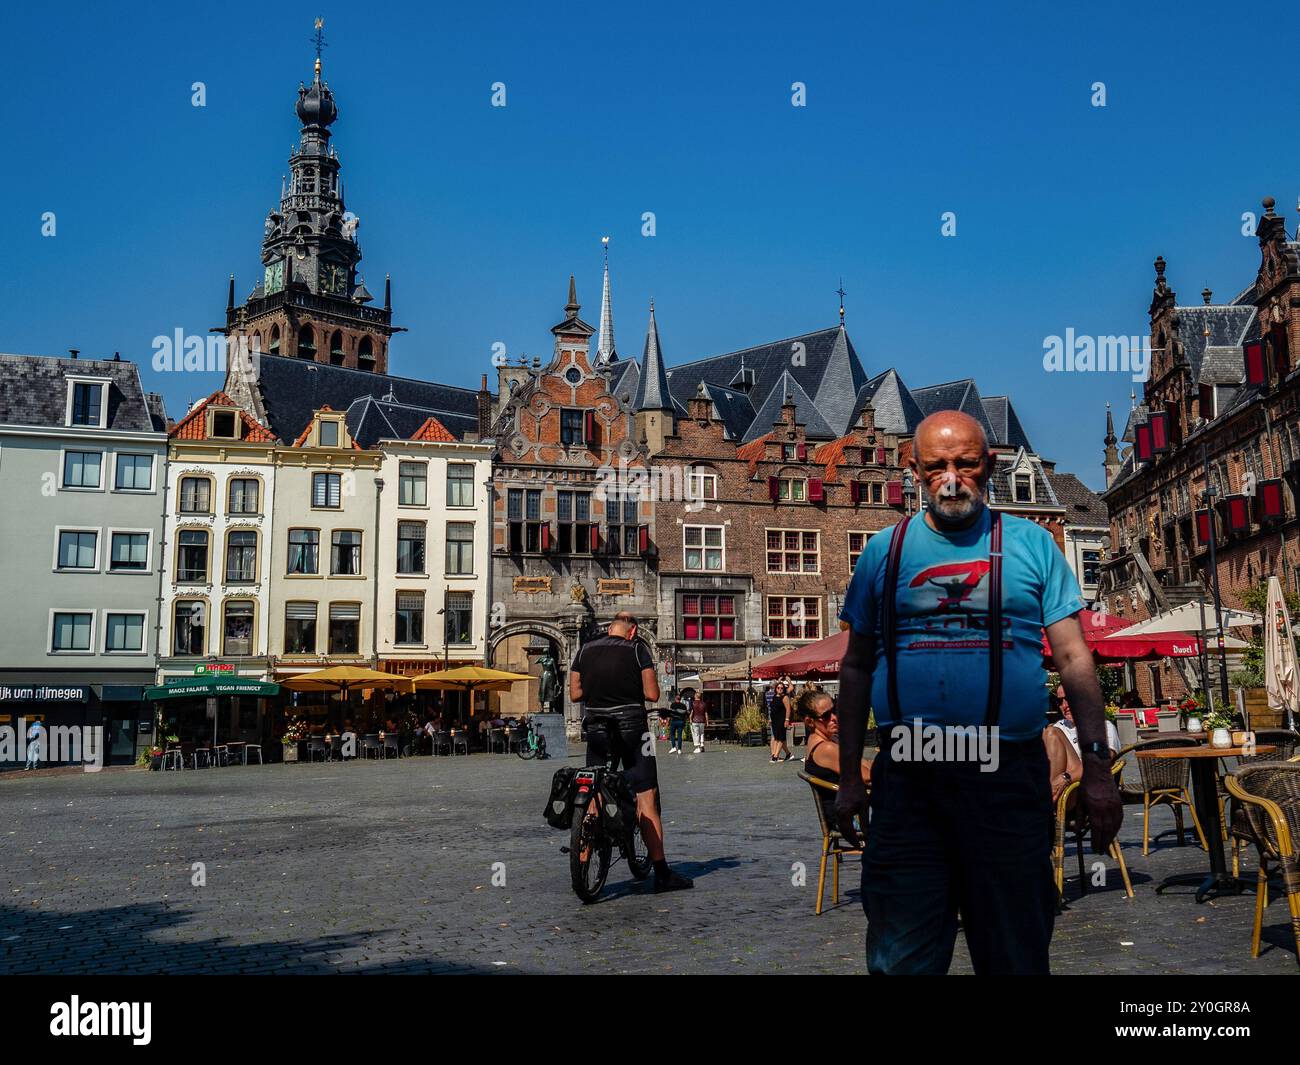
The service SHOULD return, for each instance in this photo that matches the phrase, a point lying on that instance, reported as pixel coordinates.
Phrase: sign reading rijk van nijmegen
(44, 693)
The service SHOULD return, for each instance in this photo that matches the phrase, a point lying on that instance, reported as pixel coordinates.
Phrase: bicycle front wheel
(525, 751)
(589, 872)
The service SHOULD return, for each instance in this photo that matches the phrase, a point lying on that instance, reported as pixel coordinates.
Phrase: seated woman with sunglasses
(822, 758)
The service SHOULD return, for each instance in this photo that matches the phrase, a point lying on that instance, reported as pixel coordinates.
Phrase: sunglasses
(826, 716)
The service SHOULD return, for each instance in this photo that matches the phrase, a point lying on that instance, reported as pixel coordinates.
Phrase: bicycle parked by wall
(532, 744)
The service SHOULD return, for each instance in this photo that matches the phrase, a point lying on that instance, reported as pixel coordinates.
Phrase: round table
(1205, 790)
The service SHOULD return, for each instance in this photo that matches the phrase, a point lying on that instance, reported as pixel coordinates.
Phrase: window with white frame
(412, 484)
(241, 556)
(459, 618)
(410, 547)
(410, 618)
(794, 617)
(128, 552)
(326, 490)
(345, 628)
(81, 469)
(192, 556)
(134, 473)
(704, 616)
(460, 548)
(196, 495)
(71, 631)
(704, 547)
(237, 628)
(792, 489)
(124, 633)
(78, 549)
(701, 485)
(299, 628)
(345, 553)
(857, 544)
(242, 495)
(793, 551)
(460, 484)
(304, 551)
(86, 404)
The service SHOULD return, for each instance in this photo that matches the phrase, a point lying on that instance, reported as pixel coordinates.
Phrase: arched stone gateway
(519, 646)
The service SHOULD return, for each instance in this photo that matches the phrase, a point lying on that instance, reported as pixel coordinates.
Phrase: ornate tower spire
(310, 249)
(652, 389)
(1111, 463)
(605, 352)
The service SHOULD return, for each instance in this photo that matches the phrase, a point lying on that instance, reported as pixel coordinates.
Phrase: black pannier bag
(559, 807)
(619, 805)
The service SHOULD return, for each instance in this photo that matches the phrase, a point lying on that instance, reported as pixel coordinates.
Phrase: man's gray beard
(944, 511)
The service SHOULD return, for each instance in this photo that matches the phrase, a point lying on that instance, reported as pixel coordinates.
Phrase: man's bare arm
(650, 685)
(575, 686)
(852, 707)
(1079, 676)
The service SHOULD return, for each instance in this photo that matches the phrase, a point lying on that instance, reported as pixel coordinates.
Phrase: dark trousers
(946, 838)
(676, 730)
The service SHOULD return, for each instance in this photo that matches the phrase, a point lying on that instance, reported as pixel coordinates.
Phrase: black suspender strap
(995, 620)
(889, 616)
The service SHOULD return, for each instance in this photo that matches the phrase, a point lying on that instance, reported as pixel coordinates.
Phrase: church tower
(310, 302)
(1111, 463)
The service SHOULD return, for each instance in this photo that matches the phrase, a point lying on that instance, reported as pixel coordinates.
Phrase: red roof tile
(194, 426)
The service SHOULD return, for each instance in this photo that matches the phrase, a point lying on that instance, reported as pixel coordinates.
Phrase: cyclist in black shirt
(613, 676)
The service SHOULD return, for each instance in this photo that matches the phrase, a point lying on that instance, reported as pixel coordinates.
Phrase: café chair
(1268, 794)
(1076, 821)
(316, 745)
(833, 843)
(370, 746)
(1165, 783)
(392, 743)
(253, 748)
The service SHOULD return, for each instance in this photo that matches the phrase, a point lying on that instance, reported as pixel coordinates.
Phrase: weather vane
(318, 38)
(841, 293)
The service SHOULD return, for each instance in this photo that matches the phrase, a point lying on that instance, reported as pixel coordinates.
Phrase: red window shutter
(589, 427)
(1238, 513)
(1207, 402)
(1160, 432)
(1203, 519)
(546, 536)
(801, 452)
(1268, 498)
(816, 493)
(1142, 443)
(882, 456)
(643, 539)
(773, 489)
(855, 492)
(1256, 371)
(595, 539)
(895, 493)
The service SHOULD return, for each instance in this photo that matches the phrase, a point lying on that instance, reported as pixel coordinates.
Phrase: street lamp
(909, 487)
(1209, 495)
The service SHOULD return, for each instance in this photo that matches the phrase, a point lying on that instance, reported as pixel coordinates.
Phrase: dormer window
(329, 433)
(1022, 486)
(225, 425)
(87, 404)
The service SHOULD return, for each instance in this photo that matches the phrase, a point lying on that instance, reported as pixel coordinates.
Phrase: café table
(1205, 793)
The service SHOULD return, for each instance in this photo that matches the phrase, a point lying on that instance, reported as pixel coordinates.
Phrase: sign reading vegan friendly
(44, 693)
(206, 686)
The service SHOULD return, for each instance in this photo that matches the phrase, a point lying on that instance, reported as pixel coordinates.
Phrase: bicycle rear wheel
(638, 857)
(526, 751)
(589, 875)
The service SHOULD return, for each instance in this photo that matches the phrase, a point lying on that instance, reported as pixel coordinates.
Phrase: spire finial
(1110, 427)
(605, 337)
(841, 293)
(1207, 295)
(318, 39)
(572, 308)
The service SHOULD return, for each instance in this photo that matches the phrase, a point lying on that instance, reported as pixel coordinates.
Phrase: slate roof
(769, 413)
(734, 409)
(959, 395)
(1000, 481)
(1007, 429)
(292, 389)
(1222, 366)
(896, 411)
(652, 388)
(1083, 506)
(1228, 326)
(34, 391)
(624, 378)
(370, 420)
(827, 376)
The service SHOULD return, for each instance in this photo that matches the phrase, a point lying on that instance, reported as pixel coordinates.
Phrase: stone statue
(549, 687)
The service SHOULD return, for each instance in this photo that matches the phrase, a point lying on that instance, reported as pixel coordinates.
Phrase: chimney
(388, 292)
(74, 352)
(230, 296)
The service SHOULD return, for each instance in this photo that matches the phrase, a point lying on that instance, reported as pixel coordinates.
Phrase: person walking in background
(677, 714)
(699, 718)
(35, 733)
(779, 719)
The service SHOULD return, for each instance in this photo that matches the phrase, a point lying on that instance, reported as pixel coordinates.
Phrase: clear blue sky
(481, 213)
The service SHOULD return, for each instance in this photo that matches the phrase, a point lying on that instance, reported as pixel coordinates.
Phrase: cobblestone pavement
(388, 867)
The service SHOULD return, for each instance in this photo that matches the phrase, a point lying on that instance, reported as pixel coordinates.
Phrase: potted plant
(749, 721)
(1190, 710)
(296, 731)
(151, 758)
(1219, 726)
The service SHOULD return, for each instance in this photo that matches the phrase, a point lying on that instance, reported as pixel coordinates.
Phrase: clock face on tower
(333, 278)
(274, 280)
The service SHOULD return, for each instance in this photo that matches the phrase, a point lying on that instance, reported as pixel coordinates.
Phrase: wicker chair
(1076, 821)
(1164, 783)
(833, 843)
(1241, 827)
(1269, 793)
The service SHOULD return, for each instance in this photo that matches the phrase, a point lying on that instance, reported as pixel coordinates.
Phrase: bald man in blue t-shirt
(961, 812)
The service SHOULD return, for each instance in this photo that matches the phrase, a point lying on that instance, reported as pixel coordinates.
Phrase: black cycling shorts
(623, 743)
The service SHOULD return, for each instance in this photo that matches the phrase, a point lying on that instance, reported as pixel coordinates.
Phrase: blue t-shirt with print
(942, 618)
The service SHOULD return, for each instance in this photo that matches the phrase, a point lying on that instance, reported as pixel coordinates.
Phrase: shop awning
(205, 686)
